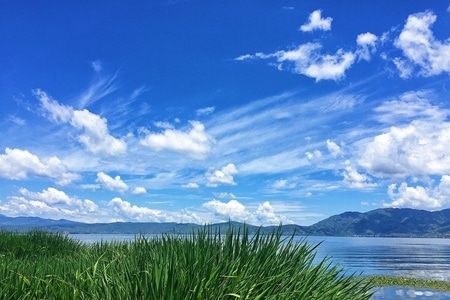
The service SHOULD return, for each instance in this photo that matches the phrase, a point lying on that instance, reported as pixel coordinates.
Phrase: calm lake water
(412, 257)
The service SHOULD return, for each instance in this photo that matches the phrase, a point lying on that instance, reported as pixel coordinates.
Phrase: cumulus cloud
(233, 209)
(222, 176)
(316, 22)
(419, 149)
(367, 45)
(112, 184)
(417, 145)
(50, 203)
(415, 197)
(125, 211)
(266, 214)
(420, 48)
(307, 60)
(139, 191)
(196, 142)
(333, 148)
(312, 156)
(355, 180)
(94, 134)
(18, 164)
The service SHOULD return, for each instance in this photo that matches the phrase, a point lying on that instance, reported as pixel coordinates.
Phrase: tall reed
(202, 265)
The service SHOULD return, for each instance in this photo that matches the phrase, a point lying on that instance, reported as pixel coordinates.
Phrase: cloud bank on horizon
(172, 129)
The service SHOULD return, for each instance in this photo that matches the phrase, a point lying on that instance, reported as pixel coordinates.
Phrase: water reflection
(408, 293)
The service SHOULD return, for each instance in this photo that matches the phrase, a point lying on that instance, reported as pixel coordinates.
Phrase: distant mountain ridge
(391, 222)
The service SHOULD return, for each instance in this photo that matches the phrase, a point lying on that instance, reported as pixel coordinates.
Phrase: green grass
(381, 280)
(203, 265)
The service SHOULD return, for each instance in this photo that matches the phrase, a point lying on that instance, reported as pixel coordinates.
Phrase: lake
(413, 257)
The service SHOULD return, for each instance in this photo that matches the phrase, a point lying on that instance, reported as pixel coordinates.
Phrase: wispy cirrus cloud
(100, 87)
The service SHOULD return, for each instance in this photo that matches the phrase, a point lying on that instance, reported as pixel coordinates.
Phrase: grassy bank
(203, 265)
(380, 281)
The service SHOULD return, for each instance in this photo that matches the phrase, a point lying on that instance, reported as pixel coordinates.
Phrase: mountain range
(389, 222)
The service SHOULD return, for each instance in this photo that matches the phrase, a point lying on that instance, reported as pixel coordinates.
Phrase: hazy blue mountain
(379, 222)
(386, 222)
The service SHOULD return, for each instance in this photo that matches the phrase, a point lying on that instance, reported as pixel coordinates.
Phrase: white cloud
(312, 156)
(50, 203)
(430, 197)
(419, 143)
(415, 197)
(112, 184)
(264, 214)
(244, 57)
(58, 112)
(355, 180)
(139, 191)
(196, 142)
(94, 131)
(404, 67)
(419, 149)
(233, 210)
(51, 196)
(95, 136)
(307, 60)
(126, 211)
(223, 176)
(333, 148)
(18, 164)
(420, 47)
(367, 45)
(317, 22)
(205, 111)
(191, 185)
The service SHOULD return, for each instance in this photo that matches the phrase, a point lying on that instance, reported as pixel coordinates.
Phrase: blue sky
(205, 111)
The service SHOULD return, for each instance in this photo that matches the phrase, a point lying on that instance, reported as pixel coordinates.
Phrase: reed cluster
(203, 265)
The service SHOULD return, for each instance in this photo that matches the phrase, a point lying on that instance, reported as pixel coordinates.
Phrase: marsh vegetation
(206, 264)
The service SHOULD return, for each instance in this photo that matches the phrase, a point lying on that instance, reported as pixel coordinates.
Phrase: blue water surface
(427, 258)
